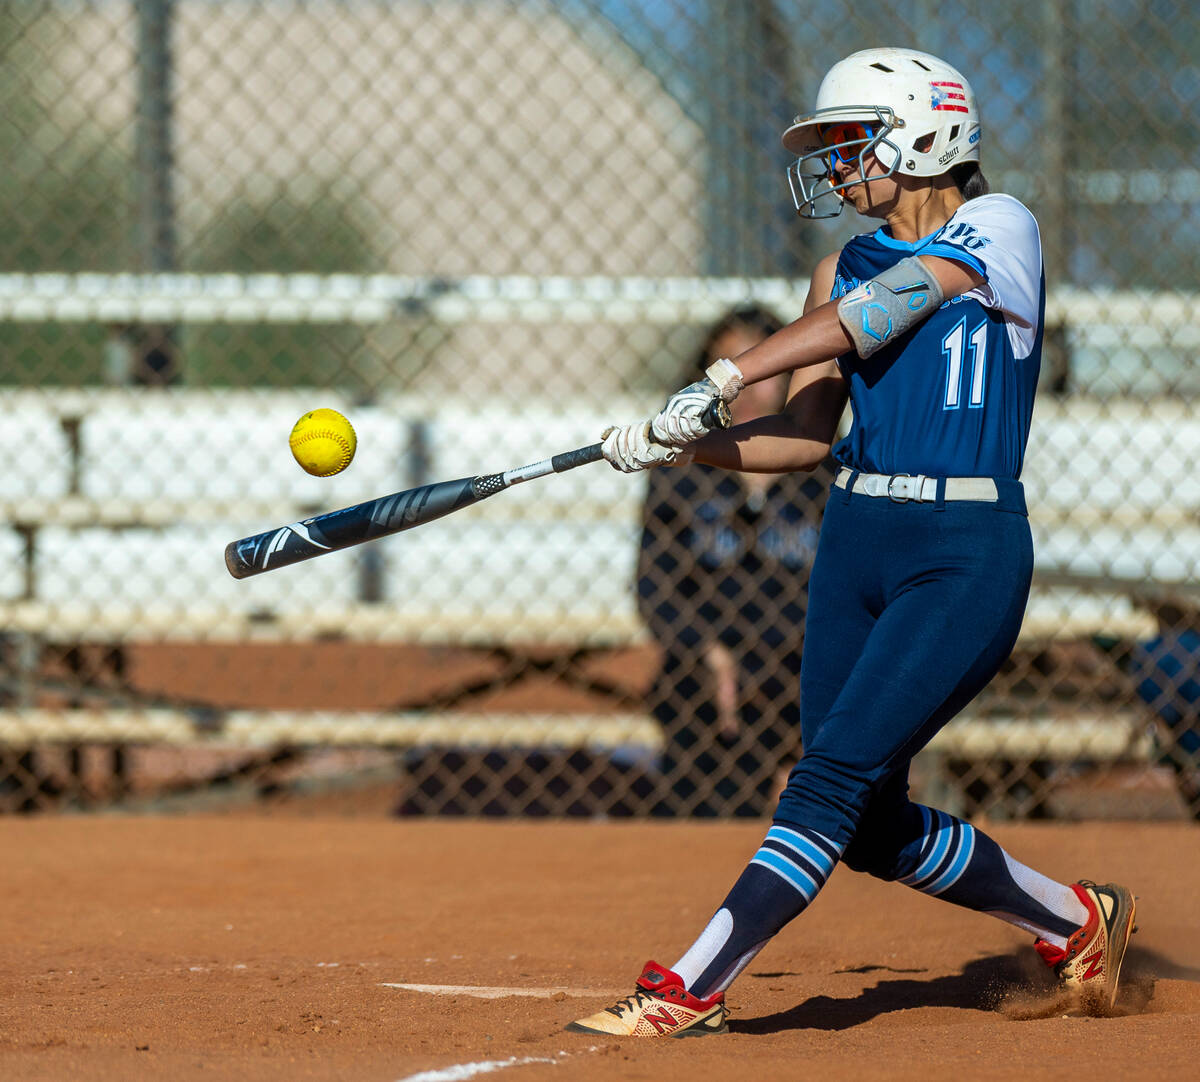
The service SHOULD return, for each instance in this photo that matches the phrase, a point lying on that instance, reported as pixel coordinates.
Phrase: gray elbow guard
(879, 311)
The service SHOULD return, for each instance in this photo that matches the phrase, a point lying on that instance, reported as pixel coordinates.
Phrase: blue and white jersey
(954, 396)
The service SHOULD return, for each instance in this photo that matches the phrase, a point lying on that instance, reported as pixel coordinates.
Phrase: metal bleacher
(130, 515)
(117, 537)
(132, 512)
(120, 504)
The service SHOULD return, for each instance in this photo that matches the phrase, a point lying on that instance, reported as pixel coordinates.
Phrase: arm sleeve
(998, 237)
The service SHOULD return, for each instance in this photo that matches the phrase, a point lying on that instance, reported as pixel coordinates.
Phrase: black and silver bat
(336, 530)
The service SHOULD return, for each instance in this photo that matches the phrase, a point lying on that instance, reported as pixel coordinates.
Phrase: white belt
(901, 487)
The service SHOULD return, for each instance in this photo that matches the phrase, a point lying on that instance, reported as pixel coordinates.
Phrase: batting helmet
(916, 112)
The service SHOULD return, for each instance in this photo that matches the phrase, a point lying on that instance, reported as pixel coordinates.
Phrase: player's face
(845, 144)
(851, 159)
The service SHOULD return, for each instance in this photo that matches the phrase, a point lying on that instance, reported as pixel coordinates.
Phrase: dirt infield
(263, 948)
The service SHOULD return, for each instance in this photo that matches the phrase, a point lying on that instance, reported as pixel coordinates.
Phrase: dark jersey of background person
(1166, 673)
(719, 562)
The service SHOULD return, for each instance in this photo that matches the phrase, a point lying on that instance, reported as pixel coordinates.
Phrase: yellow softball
(323, 442)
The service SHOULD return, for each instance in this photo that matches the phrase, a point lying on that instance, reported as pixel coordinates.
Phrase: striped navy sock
(790, 867)
(963, 865)
(947, 846)
(800, 857)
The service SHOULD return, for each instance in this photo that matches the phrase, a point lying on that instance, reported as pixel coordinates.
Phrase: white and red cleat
(1090, 966)
(660, 1007)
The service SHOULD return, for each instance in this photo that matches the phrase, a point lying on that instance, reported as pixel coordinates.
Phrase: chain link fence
(483, 229)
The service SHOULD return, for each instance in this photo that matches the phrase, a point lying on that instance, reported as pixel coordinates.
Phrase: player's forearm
(820, 334)
(815, 337)
(766, 445)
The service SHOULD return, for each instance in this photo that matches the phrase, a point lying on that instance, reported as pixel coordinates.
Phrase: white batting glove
(681, 420)
(629, 449)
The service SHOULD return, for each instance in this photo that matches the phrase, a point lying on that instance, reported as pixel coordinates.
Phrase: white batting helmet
(918, 112)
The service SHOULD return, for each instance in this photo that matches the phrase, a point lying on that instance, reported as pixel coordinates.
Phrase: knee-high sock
(954, 861)
(783, 876)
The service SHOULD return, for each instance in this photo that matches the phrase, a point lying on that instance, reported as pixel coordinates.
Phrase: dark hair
(752, 316)
(969, 180)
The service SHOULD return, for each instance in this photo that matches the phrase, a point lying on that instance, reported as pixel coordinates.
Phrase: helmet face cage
(810, 176)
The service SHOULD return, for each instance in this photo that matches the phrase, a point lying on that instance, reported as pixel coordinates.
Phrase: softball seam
(326, 434)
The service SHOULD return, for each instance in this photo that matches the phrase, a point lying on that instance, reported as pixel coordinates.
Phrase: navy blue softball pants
(913, 608)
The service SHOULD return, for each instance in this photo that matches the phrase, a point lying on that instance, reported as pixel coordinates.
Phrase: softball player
(932, 325)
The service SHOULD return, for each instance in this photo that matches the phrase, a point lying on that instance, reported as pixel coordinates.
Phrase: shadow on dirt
(981, 986)
(1143, 963)
(1016, 986)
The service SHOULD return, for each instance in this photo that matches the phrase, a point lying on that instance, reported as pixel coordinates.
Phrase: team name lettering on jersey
(966, 235)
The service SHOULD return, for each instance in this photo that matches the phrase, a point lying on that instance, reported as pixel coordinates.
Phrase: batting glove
(629, 448)
(681, 420)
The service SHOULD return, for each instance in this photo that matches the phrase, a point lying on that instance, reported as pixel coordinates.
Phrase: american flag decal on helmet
(948, 97)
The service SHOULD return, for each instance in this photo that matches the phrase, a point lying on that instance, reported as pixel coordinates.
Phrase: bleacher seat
(1109, 490)
(557, 548)
(35, 452)
(12, 574)
(1150, 552)
(540, 568)
(176, 567)
(227, 448)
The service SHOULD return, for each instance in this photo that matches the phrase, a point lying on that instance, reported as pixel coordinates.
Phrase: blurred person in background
(722, 585)
(1166, 673)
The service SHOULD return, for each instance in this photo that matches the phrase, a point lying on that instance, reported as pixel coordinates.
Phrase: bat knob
(717, 414)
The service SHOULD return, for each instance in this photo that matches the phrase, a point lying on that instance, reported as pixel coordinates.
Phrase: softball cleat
(1090, 966)
(660, 1007)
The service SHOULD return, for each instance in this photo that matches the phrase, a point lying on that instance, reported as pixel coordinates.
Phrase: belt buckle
(897, 477)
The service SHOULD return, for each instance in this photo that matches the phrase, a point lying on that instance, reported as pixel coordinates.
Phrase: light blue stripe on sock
(941, 845)
(966, 847)
(785, 869)
(806, 847)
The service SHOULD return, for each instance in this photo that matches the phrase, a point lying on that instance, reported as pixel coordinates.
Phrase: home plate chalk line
(458, 1072)
(484, 991)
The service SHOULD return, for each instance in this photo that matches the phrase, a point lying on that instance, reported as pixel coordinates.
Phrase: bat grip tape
(568, 460)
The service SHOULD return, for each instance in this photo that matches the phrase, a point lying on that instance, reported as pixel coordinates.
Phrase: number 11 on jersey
(954, 346)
